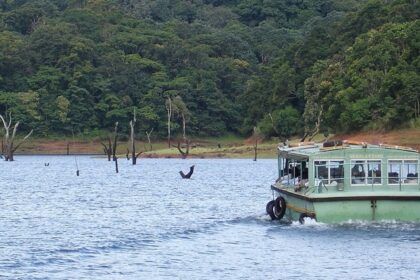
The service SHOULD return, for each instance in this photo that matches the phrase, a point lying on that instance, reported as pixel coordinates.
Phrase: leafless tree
(272, 124)
(181, 109)
(108, 149)
(9, 147)
(148, 139)
(317, 125)
(168, 104)
(184, 154)
(111, 148)
(134, 156)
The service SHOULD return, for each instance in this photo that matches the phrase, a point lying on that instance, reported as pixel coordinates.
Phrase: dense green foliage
(284, 65)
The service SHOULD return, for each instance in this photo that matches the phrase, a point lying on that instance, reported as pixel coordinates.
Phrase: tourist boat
(342, 181)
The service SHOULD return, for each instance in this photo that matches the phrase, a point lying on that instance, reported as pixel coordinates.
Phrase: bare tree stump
(188, 175)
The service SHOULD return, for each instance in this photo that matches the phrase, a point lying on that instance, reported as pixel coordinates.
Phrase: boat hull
(350, 207)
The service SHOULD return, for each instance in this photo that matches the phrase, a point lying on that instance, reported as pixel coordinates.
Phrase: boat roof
(304, 150)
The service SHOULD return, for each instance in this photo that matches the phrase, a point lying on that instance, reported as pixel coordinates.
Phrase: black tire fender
(305, 215)
(279, 207)
(269, 208)
(302, 218)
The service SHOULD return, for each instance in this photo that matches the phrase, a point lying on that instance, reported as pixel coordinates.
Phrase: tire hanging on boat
(302, 218)
(269, 208)
(279, 207)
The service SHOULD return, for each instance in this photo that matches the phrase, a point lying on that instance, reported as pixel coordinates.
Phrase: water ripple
(146, 222)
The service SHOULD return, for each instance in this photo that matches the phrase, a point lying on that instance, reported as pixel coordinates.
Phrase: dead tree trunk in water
(188, 175)
(134, 156)
(9, 148)
(133, 144)
(114, 145)
(256, 135)
(255, 149)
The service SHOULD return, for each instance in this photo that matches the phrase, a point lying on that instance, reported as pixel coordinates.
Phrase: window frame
(401, 179)
(327, 165)
(366, 171)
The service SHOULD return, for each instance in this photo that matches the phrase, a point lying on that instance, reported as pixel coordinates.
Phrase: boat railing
(401, 184)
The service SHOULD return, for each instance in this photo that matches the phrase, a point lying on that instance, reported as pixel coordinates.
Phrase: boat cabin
(348, 166)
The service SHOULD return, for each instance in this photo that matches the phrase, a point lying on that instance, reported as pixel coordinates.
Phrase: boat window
(374, 172)
(292, 172)
(403, 172)
(336, 171)
(330, 172)
(321, 171)
(358, 174)
(410, 172)
(366, 172)
(282, 166)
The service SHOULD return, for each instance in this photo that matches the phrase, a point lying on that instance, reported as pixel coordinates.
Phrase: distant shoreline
(203, 148)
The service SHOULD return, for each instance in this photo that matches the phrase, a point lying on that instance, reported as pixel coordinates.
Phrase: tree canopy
(82, 65)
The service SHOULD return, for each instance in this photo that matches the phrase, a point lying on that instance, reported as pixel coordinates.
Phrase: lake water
(148, 223)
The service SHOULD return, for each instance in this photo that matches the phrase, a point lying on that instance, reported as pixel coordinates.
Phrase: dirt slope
(405, 137)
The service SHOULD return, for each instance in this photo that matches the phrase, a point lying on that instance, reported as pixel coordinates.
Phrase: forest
(287, 67)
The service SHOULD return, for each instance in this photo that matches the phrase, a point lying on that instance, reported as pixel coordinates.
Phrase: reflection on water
(148, 223)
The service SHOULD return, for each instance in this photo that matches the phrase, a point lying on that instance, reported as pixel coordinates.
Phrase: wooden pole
(169, 109)
(133, 144)
(255, 149)
(256, 133)
(114, 146)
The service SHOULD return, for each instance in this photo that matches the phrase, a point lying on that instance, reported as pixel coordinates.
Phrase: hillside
(403, 137)
(224, 66)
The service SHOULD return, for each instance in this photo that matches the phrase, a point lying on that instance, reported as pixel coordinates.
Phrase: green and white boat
(344, 181)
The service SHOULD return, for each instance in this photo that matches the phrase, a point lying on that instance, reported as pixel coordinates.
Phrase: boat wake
(380, 225)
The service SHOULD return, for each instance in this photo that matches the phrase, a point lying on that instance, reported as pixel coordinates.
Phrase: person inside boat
(292, 173)
(412, 178)
(357, 174)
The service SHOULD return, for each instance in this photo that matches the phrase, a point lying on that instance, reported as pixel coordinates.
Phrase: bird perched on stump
(188, 175)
